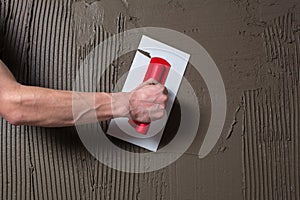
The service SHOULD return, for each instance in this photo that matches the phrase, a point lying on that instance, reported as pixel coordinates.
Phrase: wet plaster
(255, 45)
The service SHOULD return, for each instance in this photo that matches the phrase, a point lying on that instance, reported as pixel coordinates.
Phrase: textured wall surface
(256, 45)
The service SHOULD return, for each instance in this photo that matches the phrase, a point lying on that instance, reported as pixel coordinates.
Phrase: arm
(27, 105)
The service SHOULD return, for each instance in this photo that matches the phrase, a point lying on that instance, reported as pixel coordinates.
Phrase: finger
(157, 108)
(161, 89)
(156, 115)
(144, 117)
(162, 98)
(140, 115)
(151, 81)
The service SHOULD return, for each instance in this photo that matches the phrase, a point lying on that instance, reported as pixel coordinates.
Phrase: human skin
(36, 106)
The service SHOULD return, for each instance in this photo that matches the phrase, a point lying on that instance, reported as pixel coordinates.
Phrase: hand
(144, 104)
(148, 101)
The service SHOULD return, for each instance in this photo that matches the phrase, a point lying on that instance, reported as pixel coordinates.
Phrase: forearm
(27, 105)
(53, 108)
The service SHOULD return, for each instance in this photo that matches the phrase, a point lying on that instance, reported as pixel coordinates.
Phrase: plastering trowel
(166, 65)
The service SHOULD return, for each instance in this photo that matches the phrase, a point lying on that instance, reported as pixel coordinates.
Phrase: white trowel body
(166, 65)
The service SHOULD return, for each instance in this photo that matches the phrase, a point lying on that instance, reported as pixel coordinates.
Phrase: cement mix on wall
(255, 44)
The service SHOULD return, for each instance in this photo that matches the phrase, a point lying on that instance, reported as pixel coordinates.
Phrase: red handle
(158, 69)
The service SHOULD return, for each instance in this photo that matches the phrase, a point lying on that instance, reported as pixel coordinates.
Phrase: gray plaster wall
(255, 44)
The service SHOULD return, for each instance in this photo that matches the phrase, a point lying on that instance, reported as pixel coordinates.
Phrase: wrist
(120, 104)
(103, 106)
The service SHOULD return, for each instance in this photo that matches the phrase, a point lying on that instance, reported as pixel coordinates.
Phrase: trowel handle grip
(158, 69)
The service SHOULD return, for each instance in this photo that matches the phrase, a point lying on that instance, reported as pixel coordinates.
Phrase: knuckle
(162, 88)
(159, 86)
(160, 114)
(143, 95)
(164, 98)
